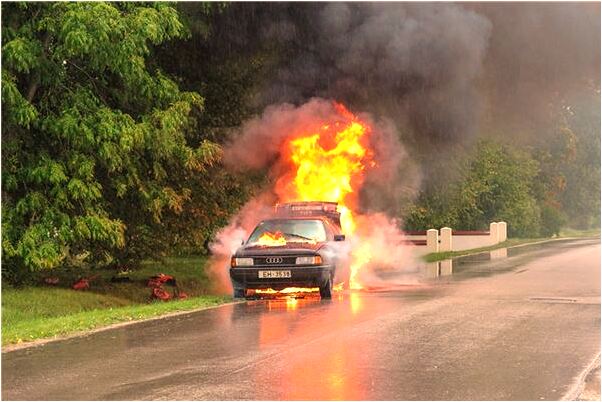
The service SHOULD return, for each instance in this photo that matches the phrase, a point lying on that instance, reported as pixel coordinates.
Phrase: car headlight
(242, 262)
(309, 260)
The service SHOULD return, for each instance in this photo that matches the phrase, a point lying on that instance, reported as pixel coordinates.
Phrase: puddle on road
(476, 265)
(496, 261)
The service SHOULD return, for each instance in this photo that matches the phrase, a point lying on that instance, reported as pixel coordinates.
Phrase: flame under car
(296, 248)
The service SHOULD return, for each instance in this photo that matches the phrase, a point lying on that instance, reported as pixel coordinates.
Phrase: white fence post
(502, 228)
(493, 233)
(445, 267)
(432, 241)
(446, 239)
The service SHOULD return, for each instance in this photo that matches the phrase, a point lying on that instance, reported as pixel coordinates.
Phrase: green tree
(581, 198)
(432, 209)
(550, 183)
(96, 138)
(497, 185)
(229, 73)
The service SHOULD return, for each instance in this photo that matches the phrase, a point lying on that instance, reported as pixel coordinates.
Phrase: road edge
(530, 243)
(555, 239)
(80, 334)
(578, 384)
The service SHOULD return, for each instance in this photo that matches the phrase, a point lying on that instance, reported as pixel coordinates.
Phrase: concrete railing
(447, 239)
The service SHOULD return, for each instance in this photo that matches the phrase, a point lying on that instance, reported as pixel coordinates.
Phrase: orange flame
(291, 290)
(329, 164)
(286, 290)
(269, 239)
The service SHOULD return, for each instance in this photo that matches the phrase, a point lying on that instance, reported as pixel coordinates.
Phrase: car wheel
(240, 293)
(326, 290)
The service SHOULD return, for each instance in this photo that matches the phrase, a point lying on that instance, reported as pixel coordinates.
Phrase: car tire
(326, 290)
(240, 293)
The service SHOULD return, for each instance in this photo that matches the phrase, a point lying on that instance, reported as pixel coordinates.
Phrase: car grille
(274, 261)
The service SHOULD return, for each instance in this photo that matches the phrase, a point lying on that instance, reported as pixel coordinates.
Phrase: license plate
(274, 274)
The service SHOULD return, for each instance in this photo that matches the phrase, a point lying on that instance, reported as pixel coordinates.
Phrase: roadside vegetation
(538, 191)
(49, 313)
(35, 312)
(106, 161)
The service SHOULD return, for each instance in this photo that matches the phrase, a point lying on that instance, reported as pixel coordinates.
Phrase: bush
(552, 220)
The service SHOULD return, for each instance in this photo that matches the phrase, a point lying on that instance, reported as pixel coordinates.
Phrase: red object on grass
(160, 294)
(82, 284)
(159, 280)
(153, 283)
(156, 283)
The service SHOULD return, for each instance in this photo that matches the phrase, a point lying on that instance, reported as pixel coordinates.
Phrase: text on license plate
(274, 274)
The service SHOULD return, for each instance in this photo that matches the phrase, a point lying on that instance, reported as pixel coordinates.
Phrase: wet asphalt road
(521, 326)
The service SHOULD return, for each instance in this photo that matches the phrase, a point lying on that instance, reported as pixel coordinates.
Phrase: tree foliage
(537, 190)
(497, 185)
(581, 199)
(229, 74)
(96, 137)
(499, 188)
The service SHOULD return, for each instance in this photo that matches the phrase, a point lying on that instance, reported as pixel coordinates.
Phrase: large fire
(329, 164)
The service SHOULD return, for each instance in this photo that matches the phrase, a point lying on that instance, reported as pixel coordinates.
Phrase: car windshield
(293, 230)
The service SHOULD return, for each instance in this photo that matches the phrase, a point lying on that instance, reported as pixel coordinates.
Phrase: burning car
(295, 248)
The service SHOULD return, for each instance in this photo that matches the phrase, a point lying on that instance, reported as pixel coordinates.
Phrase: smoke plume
(443, 73)
(428, 77)
(416, 63)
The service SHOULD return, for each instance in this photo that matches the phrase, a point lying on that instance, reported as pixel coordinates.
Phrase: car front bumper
(301, 276)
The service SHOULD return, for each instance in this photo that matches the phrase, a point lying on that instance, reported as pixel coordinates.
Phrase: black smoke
(440, 71)
(439, 74)
(414, 63)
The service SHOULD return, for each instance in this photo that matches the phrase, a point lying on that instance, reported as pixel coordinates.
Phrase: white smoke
(231, 237)
(257, 145)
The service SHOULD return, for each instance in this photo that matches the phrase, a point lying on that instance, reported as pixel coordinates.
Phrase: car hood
(288, 249)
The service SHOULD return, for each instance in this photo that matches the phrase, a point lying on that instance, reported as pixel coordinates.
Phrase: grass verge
(188, 271)
(444, 255)
(565, 233)
(38, 312)
(32, 328)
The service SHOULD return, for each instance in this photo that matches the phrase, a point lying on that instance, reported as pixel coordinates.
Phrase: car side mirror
(340, 237)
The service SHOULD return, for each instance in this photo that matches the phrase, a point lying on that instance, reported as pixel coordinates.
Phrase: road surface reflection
(331, 373)
(311, 354)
